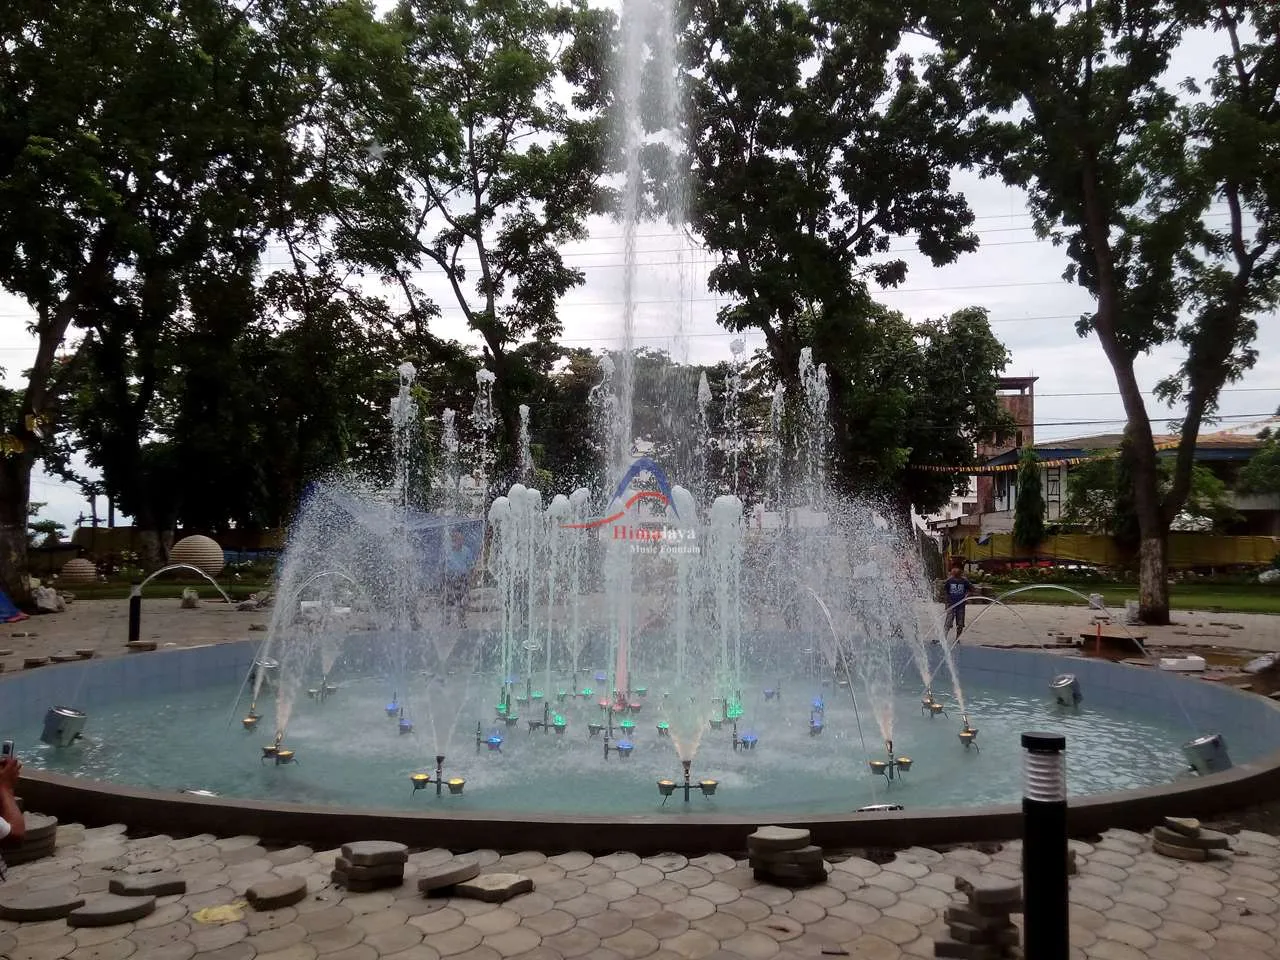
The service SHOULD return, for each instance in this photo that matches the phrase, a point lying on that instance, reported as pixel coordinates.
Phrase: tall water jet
(777, 446)
(483, 421)
(703, 435)
(526, 452)
(815, 431)
(448, 479)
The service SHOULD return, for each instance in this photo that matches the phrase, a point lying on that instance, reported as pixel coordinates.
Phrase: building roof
(1015, 383)
(1222, 445)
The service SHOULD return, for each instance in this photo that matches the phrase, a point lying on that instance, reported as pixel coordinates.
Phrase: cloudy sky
(1014, 275)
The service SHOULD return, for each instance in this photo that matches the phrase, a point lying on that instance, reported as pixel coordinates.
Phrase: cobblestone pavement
(104, 625)
(1127, 903)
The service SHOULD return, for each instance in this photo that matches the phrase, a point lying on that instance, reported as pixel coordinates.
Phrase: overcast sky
(1014, 275)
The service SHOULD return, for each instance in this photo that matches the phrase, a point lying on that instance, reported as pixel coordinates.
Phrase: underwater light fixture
(891, 766)
(1207, 754)
(666, 788)
(969, 734)
(1066, 690)
(422, 781)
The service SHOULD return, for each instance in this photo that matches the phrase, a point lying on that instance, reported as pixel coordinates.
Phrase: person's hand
(9, 770)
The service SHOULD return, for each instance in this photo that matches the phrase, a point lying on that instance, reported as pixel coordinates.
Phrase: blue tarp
(8, 612)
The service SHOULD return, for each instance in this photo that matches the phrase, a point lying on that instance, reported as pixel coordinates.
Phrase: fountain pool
(788, 772)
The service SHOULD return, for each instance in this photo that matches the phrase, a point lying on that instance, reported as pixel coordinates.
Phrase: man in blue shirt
(957, 589)
(458, 561)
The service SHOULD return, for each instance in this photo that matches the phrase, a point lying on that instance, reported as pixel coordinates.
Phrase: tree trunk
(154, 540)
(1153, 526)
(1153, 582)
(15, 495)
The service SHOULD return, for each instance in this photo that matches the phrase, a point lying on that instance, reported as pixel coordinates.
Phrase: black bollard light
(135, 611)
(1044, 847)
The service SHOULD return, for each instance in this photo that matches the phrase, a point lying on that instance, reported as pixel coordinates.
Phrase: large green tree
(813, 144)
(134, 142)
(516, 176)
(1127, 171)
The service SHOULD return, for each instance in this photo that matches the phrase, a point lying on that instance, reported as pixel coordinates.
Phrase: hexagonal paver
(110, 909)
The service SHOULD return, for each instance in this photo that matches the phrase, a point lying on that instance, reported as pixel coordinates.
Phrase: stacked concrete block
(981, 929)
(784, 856)
(40, 839)
(370, 865)
(1182, 838)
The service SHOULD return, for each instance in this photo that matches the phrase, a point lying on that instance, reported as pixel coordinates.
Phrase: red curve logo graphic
(613, 518)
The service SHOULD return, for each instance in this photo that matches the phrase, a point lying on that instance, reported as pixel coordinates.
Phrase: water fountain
(638, 631)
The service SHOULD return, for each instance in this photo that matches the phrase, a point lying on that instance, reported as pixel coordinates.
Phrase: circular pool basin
(167, 722)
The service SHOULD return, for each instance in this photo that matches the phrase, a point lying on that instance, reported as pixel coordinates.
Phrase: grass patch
(1209, 597)
(163, 589)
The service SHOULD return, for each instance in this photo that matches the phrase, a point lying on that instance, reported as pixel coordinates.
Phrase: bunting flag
(976, 470)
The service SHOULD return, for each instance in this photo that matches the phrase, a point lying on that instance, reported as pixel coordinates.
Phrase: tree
(812, 147)
(514, 177)
(1261, 475)
(908, 395)
(1028, 514)
(42, 531)
(1123, 170)
(137, 156)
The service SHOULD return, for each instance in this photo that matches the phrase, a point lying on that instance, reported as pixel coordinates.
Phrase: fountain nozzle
(968, 734)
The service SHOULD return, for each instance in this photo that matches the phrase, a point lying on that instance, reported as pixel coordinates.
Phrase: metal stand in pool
(277, 753)
(747, 741)
(930, 707)
(667, 787)
(892, 766)
(421, 781)
(969, 735)
(817, 717)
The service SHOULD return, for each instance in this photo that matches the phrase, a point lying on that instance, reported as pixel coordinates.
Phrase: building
(1223, 453)
(1017, 395)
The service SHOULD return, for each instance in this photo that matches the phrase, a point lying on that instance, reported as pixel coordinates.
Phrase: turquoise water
(350, 754)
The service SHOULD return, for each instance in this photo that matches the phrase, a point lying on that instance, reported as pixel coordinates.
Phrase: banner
(975, 470)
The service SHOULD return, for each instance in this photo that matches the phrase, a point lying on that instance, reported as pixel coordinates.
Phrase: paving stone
(372, 853)
(394, 940)
(382, 871)
(573, 860)
(619, 861)
(772, 839)
(111, 908)
(549, 923)
(691, 877)
(275, 892)
(494, 887)
(607, 923)
(668, 862)
(514, 942)
(39, 906)
(151, 884)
